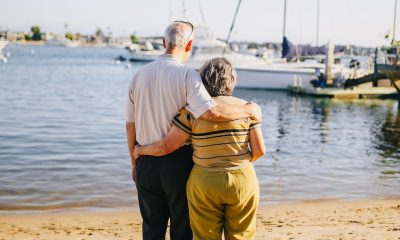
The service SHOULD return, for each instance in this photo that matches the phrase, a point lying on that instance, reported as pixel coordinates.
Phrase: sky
(359, 22)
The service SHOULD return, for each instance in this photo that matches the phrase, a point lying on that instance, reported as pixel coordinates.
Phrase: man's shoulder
(192, 75)
(146, 67)
(185, 72)
(176, 71)
(143, 71)
(185, 69)
(167, 65)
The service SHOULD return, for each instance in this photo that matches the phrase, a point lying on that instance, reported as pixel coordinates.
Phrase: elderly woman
(222, 189)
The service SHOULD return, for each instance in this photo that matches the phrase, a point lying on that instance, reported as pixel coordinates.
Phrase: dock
(354, 93)
(383, 83)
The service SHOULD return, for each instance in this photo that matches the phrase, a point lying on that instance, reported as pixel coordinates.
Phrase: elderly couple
(192, 146)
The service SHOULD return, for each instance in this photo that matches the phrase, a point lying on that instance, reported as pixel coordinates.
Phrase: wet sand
(333, 219)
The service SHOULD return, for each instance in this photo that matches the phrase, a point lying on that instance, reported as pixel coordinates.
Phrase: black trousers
(161, 186)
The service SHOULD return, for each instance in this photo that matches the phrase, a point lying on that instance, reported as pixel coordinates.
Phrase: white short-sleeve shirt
(158, 91)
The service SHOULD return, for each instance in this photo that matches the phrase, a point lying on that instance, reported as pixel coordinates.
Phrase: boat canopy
(289, 50)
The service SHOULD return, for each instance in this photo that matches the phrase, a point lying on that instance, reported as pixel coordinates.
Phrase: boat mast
(233, 24)
(284, 28)
(284, 19)
(317, 37)
(170, 10)
(394, 22)
(202, 13)
(184, 10)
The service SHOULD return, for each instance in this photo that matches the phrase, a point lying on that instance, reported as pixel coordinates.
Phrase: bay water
(62, 137)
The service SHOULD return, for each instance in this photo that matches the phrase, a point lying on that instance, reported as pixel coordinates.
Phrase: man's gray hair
(178, 34)
(219, 77)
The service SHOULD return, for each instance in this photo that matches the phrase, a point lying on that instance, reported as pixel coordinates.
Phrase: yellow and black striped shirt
(218, 145)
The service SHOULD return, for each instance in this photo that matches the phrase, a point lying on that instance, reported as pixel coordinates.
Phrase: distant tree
(92, 39)
(134, 38)
(27, 37)
(252, 45)
(70, 36)
(99, 32)
(36, 34)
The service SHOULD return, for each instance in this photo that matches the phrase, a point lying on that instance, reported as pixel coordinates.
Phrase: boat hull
(272, 79)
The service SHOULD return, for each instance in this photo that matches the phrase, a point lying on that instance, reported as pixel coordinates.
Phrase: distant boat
(3, 44)
(145, 52)
(62, 42)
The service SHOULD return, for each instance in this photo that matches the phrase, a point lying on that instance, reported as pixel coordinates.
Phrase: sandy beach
(330, 219)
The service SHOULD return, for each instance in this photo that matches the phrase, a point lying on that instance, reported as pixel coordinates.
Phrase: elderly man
(157, 92)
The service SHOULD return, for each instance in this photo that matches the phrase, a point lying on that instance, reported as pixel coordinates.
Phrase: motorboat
(146, 51)
(279, 76)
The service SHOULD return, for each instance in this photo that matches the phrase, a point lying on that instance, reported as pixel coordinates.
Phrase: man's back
(157, 91)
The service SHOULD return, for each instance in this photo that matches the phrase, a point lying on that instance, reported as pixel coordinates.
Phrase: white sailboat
(279, 75)
(252, 72)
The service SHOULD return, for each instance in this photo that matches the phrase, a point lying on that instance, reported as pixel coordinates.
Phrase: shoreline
(309, 219)
(83, 45)
(81, 207)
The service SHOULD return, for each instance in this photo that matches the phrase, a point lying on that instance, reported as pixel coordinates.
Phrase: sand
(333, 219)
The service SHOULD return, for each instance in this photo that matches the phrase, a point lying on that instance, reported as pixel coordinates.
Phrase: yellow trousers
(223, 201)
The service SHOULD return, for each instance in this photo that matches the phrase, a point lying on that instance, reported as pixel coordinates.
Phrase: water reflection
(321, 111)
(319, 147)
(387, 142)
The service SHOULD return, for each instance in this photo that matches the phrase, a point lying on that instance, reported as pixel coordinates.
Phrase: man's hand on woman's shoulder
(254, 111)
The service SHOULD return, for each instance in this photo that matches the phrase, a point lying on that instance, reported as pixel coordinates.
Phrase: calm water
(62, 139)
